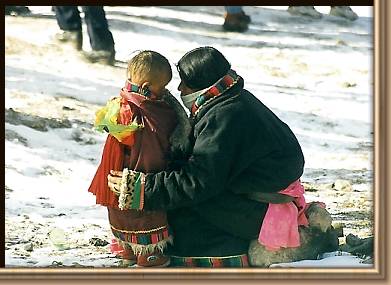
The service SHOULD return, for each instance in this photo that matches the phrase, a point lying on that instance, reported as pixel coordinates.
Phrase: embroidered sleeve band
(137, 201)
(131, 190)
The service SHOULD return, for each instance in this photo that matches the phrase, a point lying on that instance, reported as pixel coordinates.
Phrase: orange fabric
(112, 159)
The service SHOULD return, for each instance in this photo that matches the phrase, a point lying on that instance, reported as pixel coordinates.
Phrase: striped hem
(142, 237)
(141, 231)
(139, 249)
(210, 262)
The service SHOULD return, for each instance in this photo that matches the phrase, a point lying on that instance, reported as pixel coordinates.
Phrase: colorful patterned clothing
(239, 146)
(144, 149)
(210, 262)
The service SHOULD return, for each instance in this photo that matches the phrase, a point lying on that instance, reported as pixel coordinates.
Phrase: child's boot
(155, 259)
(126, 254)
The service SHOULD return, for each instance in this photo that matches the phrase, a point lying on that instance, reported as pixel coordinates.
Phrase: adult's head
(149, 69)
(200, 68)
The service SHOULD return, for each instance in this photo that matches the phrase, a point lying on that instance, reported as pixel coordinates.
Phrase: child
(140, 122)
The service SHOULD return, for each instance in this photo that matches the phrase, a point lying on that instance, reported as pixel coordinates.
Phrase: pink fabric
(115, 247)
(280, 227)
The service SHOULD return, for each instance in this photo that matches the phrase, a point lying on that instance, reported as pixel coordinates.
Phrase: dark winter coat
(239, 147)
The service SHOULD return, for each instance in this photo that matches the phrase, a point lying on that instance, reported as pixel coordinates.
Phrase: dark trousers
(68, 19)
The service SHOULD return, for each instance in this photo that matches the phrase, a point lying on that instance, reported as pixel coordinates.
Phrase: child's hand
(114, 180)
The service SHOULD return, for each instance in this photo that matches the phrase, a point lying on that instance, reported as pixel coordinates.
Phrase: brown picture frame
(381, 180)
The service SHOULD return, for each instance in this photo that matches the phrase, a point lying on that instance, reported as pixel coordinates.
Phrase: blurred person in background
(235, 20)
(338, 11)
(101, 39)
(17, 10)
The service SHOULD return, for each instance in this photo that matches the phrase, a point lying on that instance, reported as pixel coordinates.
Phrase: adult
(235, 20)
(239, 149)
(101, 39)
(17, 10)
(337, 11)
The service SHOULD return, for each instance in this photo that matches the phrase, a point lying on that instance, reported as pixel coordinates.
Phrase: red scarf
(159, 121)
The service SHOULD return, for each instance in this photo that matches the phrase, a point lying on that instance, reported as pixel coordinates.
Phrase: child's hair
(147, 65)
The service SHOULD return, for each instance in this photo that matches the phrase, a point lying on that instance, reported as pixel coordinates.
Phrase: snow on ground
(315, 75)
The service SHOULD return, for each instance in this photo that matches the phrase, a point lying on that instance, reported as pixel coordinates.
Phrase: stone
(342, 185)
(29, 247)
(358, 246)
(318, 217)
(313, 243)
(319, 237)
(98, 242)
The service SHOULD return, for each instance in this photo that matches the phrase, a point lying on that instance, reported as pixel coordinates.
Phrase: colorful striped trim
(142, 231)
(142, 238)
(210, 262)
(131, 87)
(216, 90)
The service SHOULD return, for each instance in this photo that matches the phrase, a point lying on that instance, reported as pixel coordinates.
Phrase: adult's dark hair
(201, 67)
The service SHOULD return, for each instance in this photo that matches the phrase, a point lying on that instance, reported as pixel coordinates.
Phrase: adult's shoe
(245, 18)
(100, 56)
(308, 11)
(17, 10)
(344, 12)
(236, 22)
(75, 38)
